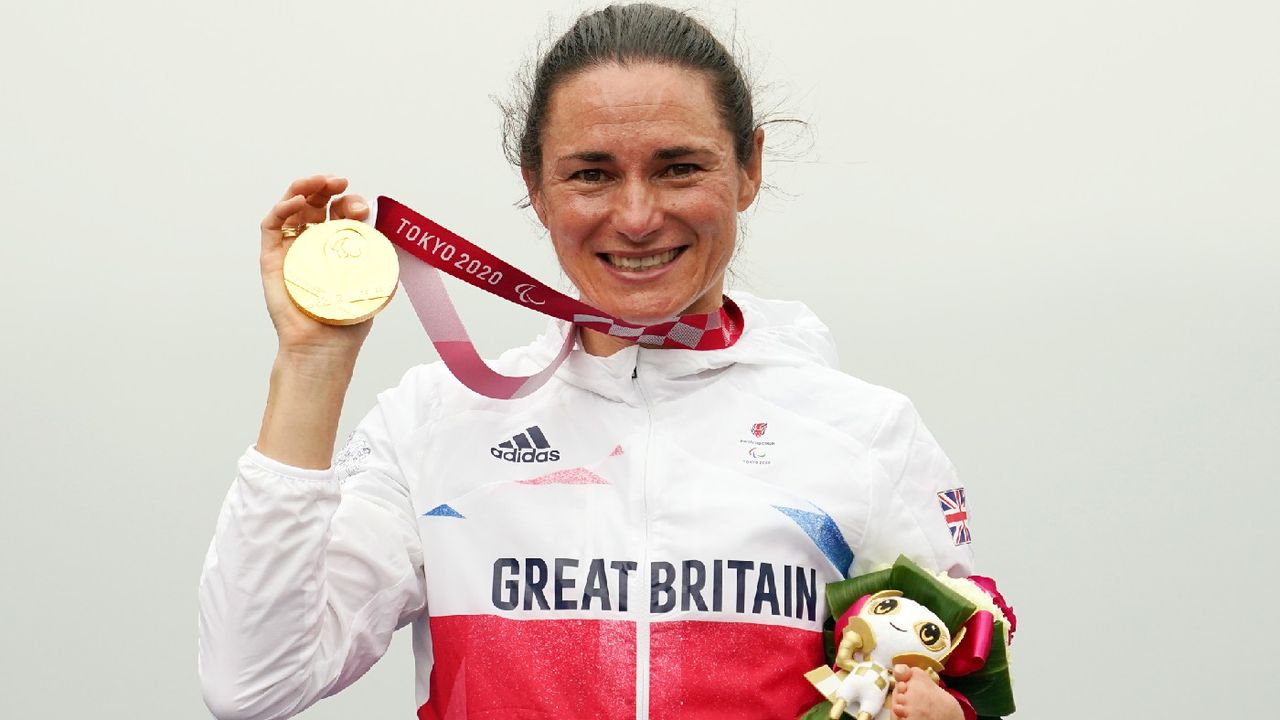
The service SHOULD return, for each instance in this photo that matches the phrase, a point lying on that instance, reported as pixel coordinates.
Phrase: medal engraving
(341, 272)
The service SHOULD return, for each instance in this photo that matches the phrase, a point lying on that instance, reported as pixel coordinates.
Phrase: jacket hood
(775, 333)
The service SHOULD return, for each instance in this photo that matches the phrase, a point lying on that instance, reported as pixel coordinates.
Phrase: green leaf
(925, 588)
(841, 595)
(990, 690)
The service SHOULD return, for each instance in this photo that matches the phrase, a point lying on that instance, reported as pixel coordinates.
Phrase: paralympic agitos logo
(523, 290)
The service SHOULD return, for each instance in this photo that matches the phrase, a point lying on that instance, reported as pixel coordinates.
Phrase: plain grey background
(1053, 225)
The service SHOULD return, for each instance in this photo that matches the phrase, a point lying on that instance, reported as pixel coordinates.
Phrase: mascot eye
(930, 634)
(887, 606)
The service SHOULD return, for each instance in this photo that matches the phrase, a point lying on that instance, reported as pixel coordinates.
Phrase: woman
(646, 536)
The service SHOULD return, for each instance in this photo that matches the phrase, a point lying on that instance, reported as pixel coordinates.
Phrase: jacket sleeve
(308, 575)
(911, 511)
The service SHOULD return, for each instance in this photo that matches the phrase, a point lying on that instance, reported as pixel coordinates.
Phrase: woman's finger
(305, 186)
(349, 206)
(333, 185)
(280, 214)
(306, 201)
(318, 201)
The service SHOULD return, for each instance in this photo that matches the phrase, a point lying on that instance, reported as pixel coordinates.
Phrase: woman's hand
(315, 361)
(917, 697)
(303, 340)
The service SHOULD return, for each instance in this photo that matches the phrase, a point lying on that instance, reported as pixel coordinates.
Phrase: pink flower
(989, 587)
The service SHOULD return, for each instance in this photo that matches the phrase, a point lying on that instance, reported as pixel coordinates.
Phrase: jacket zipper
(642, 622)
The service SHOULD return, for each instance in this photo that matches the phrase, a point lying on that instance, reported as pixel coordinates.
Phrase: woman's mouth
(642, 263)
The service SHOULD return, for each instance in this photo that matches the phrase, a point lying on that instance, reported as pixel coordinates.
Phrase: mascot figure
(955, 630)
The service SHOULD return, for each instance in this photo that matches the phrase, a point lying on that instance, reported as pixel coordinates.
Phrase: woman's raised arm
(314, 361)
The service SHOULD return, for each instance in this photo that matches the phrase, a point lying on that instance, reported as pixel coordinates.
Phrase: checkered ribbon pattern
(425, 246)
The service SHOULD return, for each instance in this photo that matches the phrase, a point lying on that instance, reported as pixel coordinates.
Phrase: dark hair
(622, 34)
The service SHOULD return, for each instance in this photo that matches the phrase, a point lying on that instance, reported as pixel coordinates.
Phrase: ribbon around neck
(424, 246)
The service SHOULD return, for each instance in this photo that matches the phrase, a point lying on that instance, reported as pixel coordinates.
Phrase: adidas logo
(529, 446)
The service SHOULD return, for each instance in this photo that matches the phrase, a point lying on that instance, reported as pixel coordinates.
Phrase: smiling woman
(640, 189)
(613, 545)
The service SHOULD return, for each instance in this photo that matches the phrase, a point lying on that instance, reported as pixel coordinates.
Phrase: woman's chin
(643, 316)
(641, 309)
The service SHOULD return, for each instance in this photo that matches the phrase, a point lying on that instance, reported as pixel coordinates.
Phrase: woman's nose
(636, 212)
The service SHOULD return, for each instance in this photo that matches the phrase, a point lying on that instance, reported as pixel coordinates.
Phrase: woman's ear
(531, 187)
(751, 172)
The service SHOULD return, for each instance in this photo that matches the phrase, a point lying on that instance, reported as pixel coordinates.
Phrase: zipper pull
(635, 372)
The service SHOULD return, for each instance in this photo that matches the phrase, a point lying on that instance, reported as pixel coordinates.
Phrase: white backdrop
(1053, 225)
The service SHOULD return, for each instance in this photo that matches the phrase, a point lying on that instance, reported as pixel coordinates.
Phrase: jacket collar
(775, 333)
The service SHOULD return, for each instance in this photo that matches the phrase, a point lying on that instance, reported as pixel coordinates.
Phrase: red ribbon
(447, 251)
(971, 654)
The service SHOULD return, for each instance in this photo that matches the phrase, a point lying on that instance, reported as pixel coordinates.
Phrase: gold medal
(341, 272)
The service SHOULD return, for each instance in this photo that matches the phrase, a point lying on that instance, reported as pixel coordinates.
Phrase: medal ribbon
(438, 248)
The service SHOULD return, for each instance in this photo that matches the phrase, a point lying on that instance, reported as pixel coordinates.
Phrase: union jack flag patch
(956, 513)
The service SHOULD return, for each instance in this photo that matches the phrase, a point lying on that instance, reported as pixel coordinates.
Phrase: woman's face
(640, 189)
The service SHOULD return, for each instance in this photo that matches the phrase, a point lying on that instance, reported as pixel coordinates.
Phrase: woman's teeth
(642, 263)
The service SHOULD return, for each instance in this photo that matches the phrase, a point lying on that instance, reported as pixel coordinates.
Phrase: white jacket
(648, 535)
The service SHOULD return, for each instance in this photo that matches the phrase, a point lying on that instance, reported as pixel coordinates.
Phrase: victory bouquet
(957, 630)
